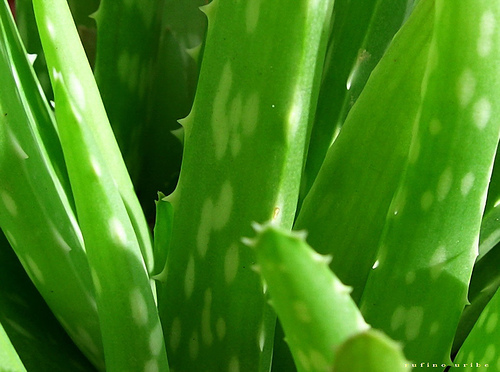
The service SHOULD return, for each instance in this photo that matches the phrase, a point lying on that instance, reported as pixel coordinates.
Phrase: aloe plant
(249, 186)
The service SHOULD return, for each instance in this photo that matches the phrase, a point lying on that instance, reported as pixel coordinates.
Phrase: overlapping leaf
(115, 232)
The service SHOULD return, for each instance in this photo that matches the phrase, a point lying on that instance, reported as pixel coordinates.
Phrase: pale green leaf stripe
(345, 210)
(131, 330)
(9, 360)
(244, 149)
(74, 67)
(36, 206)
(482, 346)
(419, 289)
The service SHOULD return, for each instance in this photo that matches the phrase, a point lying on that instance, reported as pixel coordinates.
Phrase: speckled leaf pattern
(31, 160)
(481, 348)
(345, 210)
(244, 148)
(130, 325)
(431, 237)
(314, 307)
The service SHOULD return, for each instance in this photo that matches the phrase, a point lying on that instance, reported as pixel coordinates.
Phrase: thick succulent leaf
(130, 325)
(432, 233)
(125, 62)
(344, 213)
(481, 348)
(244, 148)
(314, 307)
(370, 351)
(9, 360)
(38, 338)
(78, 78)
(36, 206)
(25, 20)
(323, 326)
(361, 32)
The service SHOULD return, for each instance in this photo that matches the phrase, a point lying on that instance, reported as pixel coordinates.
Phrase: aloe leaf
(344, 213)
(481, 347)
(36, 205)
(314, 307)
(25, 20)
(362, 30)
(40, 341)
(323, 326)
(9, 360)
(76, 72)
(248, 114)
(370, 351)
(131, 330)
(125, 62)
(432, 233)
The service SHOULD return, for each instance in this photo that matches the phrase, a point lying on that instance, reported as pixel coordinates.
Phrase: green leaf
(362, 31)
(314, 307)
(323, 326)
(418, 291)
(345, 211)
(38, 338)
(370, 351)
(244, 148)
(115, 232)
(36, 203)
(482, 345)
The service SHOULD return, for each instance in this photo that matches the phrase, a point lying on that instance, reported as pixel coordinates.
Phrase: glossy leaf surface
(431, 239)
(115, 232)
(244, 148)
(36, 208)
(345, 210)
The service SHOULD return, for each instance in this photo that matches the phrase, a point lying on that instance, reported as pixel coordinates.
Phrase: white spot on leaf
(252, 14)
(175, 334)
(444, 184)
(466, 87)
(414, 319)
(486, 33)
(9, 203)
(467, 183)
(481, 113)
(139, 307)
(234, 365)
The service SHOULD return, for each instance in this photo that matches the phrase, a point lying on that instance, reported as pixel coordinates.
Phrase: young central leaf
(244, 150)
